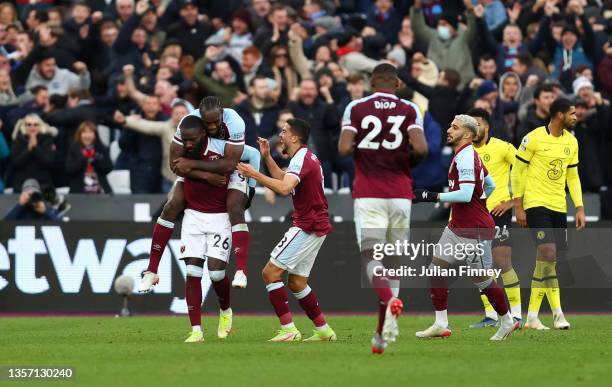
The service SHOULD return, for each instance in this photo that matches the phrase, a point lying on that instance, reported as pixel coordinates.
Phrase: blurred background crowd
(89, 87)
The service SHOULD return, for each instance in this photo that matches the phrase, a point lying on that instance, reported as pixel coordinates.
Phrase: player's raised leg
(279, 298)
(237, 198)
(162, 232)
(193, 296)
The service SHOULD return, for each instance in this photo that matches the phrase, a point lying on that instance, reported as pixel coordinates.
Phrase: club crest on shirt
(540, 235)
(566, 151)
(486, 158)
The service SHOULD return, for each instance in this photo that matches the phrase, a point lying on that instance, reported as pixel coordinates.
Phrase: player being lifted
(298, 249)
(498, 157)
(206, 230)
(471, 227)
(379, 130)
(224, 124)
(546, 162)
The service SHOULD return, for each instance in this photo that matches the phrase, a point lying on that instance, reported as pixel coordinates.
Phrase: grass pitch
(148, 351)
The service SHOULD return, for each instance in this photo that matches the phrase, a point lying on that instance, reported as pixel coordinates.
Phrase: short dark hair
(210, 103)
(486, 57)
(452, 77)
(545, 88)
(300, 128)
(191, 122)
(256, 78)
(479, 112)
(560, 105)
(385, 71)
(37, 89)
(355, 78)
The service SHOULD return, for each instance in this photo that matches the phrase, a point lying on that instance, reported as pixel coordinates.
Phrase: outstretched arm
(282, 186)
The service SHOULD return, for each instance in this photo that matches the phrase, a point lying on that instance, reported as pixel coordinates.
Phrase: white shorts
(206, 235)
(386, 220)
(238, 182)
(456, 249)
(297, 251)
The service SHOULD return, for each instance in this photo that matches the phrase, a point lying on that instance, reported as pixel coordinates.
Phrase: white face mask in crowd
(444, 32)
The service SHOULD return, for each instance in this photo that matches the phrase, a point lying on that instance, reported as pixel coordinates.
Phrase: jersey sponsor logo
(556, 170)
(467, 174)
(384, 105)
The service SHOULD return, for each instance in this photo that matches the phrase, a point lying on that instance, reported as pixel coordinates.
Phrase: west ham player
(471, 227)
(498, 157)
(379, 130)
(297, 250)
(223, 124)
(205, 232)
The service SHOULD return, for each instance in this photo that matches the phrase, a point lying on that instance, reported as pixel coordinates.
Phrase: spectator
(88, 162)
(350, 55)
(286, 77)
(31, 205)
(487, 68)
(57, 80)
(537, 113)
(590, 131)
(259, 111)
(604, 70)
(130, 47)
(4, 155)
(275, 31)
(189, 31)
(32, 151)
(8, 15)
(252, 65)
(239, 36)
(144, 151)
(124, 9)
(165, 130)
(36, 101)
(449, 47)
(223, 82)
(7, 95)
(510, 89)
(324, 121)
(386, 18)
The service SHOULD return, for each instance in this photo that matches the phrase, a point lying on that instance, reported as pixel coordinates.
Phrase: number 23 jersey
(548, 157)
(382, 155)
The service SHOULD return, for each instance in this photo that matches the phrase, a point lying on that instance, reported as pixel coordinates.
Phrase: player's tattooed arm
(346, 144)
(282, 186)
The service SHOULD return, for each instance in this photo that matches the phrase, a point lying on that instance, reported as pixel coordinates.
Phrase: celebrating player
(546, 162)
(205, 232)
(298, 249)
(498, 157)
(471, 226)
(224, 124)
(379, 130)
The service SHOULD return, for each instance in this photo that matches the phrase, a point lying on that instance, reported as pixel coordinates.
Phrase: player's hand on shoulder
(424, 196)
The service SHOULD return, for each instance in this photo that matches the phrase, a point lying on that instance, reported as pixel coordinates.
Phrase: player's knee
(269, 275)
(216, 275)
(547, 253)
(296, 284)
(194, 271)
(484, 284)
(173, 208)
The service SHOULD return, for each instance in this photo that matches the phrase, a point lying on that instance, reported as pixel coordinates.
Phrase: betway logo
(101, 270)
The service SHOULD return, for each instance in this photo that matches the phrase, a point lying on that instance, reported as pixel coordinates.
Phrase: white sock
(531, 315)
(322, 327)
(442, 318)
(288, 326)
(491, 314)
(557, 311)
(506, 320)
(516, 311)
(394, 284)
(196, 328)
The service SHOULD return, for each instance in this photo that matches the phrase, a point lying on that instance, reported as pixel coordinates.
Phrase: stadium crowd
(89, 86)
